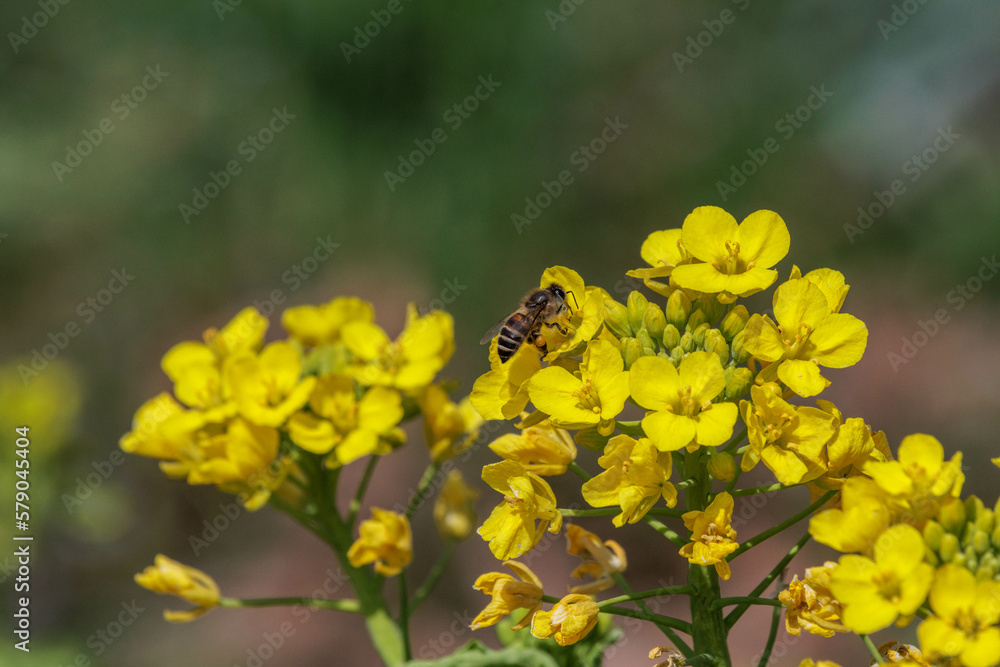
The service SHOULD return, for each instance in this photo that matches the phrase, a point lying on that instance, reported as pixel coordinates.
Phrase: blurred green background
(117, 115)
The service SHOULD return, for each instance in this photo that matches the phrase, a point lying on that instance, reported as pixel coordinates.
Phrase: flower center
(795, 343)
(731, 263)
(587, 397)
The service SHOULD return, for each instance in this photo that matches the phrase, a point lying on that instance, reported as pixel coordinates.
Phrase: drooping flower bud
(616, 318)
(722, 466)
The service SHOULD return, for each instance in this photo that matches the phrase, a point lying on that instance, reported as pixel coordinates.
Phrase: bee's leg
(536, 339)
(555, 325)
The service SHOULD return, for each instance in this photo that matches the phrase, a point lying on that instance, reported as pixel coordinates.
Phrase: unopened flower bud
(637, 304)
(995, 538)
(687, 343)
(738, 382)
(455, 508)
(591, 439)
(722, 466)
(696, 320)
(933, 532)
(739, 353)
(930, 556)
(677, 355)
(985, 520)
(952, 515)
(717, 345)
(980, 542)
(678, 309)
(985, 572)
(949, 547)
(616, 318)
(709, 305)
(655, 321)
(971, 558)
(631, 351)
(648, 347)
(699, 334)
(973, 506)
(734, 321)
(671, 337)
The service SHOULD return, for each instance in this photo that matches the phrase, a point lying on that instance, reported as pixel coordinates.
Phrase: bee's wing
(494, 330)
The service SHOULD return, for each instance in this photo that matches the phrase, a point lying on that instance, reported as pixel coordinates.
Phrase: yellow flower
(542, 449)
(736, 260)
(809, 334)
(244, 333)
(874, 593)
(847, 452)
(529, 508)
(811, 605)
(635, 476)
(508, 594)
(321, 325)
(854, 526)
(713, 538)
(921, 478)
(594, 398)
(350, 427)
(585, 312)
(663, 251)
(408, 363)
(570, 620)
(268, 387)
(163, 429)
(682, 400)
(602, 560)
(170, 577)
(242, 460)
(449, 428)
(906, 655)
(502, 392)
(809, 662)
(455, 508)
(966, 612)
(789, 439)
(385, 539)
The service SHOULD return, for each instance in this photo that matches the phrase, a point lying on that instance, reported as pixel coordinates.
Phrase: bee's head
(557, 290)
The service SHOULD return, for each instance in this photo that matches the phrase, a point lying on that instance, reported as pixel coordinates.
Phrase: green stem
(422, 488)
(666, 511)
(790, 521)
(765, 657)
(762, 489)
(708, 627)
(679, 643)
(336, 605)
(871, 649)
(735, 614)
(725, 602)
(434, 576)
(603, 511)
(685, 484)
(633, 429)
(300, 517)
(656, 592)
(662, 621)
(662, 529)
(359, 496)
(736, 440)
(404, 616)
(578, 471)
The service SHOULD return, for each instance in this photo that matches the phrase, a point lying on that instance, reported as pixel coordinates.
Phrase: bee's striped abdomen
(512, 335)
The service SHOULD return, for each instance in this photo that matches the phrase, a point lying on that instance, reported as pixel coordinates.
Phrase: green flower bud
(649, 347)
(671, 337)
(980, 542)
(933, 532)
(677, 355)
(616, 318)
(995, 538)
(740, 355)
(687, 343)
(722, 466)
(985, 520)
(931, 557)
(952, 515)
(709, 305)
(958, 559)
(949, 547)
(696, 320)
(678, 309)
(973, 506)
(985, 572)
(699, 334)
(637, 305)
(738, 382)
(734, 321)
(966, 536)
(716, 344)
(655, 321)
(971, 558)
(591, 439)
(631, 351)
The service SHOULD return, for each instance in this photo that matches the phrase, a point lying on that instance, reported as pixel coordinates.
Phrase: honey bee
(539, 308)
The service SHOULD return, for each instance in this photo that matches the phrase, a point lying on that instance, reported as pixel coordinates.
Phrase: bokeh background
(696, 92)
